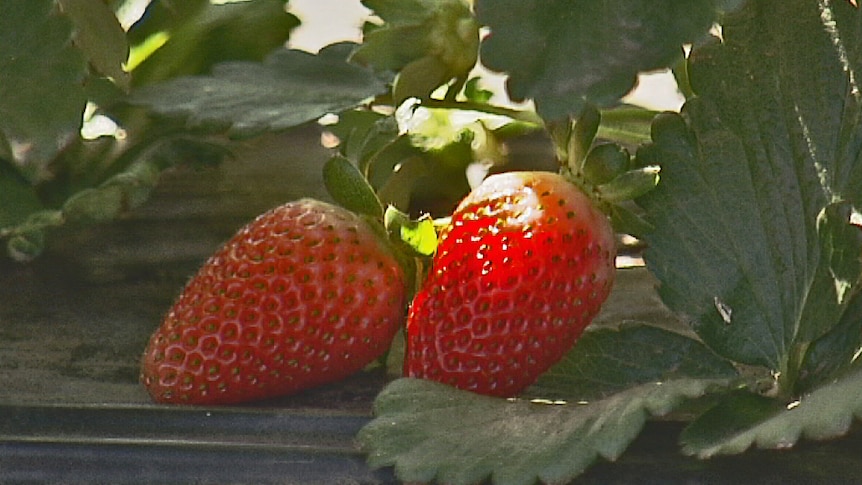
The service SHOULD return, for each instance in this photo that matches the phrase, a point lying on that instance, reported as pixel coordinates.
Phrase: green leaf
(99, 35)
(747, 170)
(432, 432)
(834, 352)
(564, 53)
(736, 413)
(201, 34)
(18, 198)
(606, 361)
(245, 98)
(838, 274)
(429, 41)
(164, 17)
(419, 79)
(41, 84)
(798, 60)
(397, 170)
(394, 168)
(747, 420)
(349, 188)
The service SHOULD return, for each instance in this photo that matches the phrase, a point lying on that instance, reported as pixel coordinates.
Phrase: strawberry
(306, 294)
(520, 271)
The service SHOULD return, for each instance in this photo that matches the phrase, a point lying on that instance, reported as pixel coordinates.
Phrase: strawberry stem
(524, 116)
(789, 374)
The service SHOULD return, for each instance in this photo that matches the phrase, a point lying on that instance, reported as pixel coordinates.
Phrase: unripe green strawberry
(520, 271)
(306, 294)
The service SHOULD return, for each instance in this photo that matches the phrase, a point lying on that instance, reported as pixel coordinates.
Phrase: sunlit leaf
(419, 234)
(748, 170)
(245, 98)
(432, 432)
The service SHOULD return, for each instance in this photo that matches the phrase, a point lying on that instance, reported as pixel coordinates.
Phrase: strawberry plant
(746, 201)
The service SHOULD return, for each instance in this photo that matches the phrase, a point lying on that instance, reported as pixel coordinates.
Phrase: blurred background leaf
(246, 98)
(197, 34)
(99, 35)
(428, 42)
(564, 53)
(41, 85)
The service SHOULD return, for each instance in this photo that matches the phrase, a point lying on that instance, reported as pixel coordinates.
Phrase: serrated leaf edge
(628, 413)
(827, 423)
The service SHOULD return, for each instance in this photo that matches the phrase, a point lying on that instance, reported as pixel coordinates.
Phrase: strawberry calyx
(605, 171)
(409, 239)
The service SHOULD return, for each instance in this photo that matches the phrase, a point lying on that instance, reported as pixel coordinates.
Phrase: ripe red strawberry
(520, 271)
(304, 295)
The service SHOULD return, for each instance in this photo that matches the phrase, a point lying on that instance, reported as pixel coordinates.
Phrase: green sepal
(26, 246)
(606, 162)
(349, 188)
(122, 192)
(581, 138)
(630, 185)
(429, 42)
(626, 221)
(94, 204)
(27, 240)
(628, 125)
(362, 134)
(419, 234)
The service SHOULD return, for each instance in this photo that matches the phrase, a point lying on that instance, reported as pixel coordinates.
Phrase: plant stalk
(789, 375)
